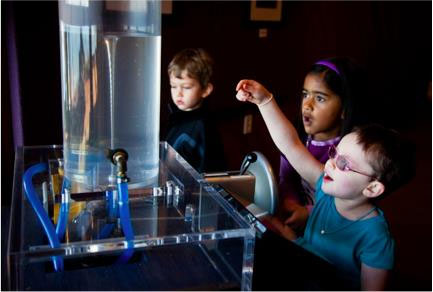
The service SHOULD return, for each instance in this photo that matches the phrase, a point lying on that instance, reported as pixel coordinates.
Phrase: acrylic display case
(186, 235)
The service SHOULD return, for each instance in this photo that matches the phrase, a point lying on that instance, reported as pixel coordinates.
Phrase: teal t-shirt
(346, 244)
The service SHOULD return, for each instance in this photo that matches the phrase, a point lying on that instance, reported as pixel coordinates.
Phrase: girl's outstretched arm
(281, 129)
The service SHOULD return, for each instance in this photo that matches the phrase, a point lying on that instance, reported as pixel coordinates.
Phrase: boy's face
(321, 109)
(187, 92)
(348, 184)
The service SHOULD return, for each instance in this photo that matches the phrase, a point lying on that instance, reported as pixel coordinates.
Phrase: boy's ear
(208, 90)
(374, 189)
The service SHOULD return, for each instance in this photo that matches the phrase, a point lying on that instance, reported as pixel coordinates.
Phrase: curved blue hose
(112, 206)
(113, 214)
(112, 211)
(40, 211)
(62, 219)
(125, 221)
(106, 231)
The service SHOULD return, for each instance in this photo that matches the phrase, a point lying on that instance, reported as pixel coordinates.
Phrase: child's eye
(304, 94)
(320, 98)
(346, 164)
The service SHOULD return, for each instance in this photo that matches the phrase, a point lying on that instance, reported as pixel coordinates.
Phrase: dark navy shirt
(194, 135)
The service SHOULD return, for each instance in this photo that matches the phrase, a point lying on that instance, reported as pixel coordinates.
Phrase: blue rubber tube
(106, 231)
(62, 219)
(112, 211)
(125, 221)
(40, 211)
(112, 205)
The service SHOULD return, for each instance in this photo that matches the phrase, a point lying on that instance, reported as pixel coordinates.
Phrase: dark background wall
(392, 40)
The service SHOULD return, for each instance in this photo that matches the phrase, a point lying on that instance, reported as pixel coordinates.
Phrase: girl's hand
(252, 91)
(298, 215)
(274, 224)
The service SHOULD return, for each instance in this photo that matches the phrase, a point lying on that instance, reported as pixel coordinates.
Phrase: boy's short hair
(391, 156)
(197, 63)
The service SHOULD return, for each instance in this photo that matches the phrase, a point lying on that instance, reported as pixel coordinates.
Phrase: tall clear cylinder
(111, 65)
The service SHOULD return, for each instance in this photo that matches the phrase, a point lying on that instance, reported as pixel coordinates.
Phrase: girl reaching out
(331, 89)
(345, 227)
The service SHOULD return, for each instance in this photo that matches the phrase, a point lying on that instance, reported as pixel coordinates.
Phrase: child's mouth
(307, 120)
(327, 178)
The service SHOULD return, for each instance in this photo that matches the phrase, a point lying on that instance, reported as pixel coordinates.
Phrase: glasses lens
(341, 163)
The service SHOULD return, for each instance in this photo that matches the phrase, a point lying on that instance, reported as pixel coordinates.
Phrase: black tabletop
(280, 264)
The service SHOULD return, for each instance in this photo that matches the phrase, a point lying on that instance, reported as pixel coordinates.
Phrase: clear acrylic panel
(186, 235)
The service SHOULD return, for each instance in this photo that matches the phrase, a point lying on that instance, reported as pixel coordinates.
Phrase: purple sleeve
(290, 186)
(287, 182)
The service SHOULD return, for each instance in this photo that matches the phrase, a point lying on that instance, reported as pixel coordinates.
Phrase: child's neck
(353, 209)
(328, 142)
(326, 135)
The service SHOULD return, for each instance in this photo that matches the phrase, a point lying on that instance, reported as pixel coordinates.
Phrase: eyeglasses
(342, 163)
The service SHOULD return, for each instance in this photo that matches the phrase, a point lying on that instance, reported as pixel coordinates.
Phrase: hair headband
(329, 65)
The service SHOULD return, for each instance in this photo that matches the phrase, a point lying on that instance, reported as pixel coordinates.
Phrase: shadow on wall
(409, 214)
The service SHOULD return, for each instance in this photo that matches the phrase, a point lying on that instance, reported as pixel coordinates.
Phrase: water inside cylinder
(111, 99)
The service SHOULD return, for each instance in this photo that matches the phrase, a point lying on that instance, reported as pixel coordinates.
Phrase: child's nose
(308, 103)
(331, 163)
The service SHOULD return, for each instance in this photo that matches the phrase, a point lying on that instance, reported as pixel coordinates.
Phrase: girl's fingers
(243, 96)
(289, 220)
(240, 83)
(240, 96)
(243, 84)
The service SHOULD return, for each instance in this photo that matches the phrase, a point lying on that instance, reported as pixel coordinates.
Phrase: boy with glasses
(345, 227)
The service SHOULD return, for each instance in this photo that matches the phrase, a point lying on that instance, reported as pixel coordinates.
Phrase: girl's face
(321, 109)
(187, 92)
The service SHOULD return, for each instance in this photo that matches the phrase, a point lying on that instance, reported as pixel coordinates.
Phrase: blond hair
(196, 62)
